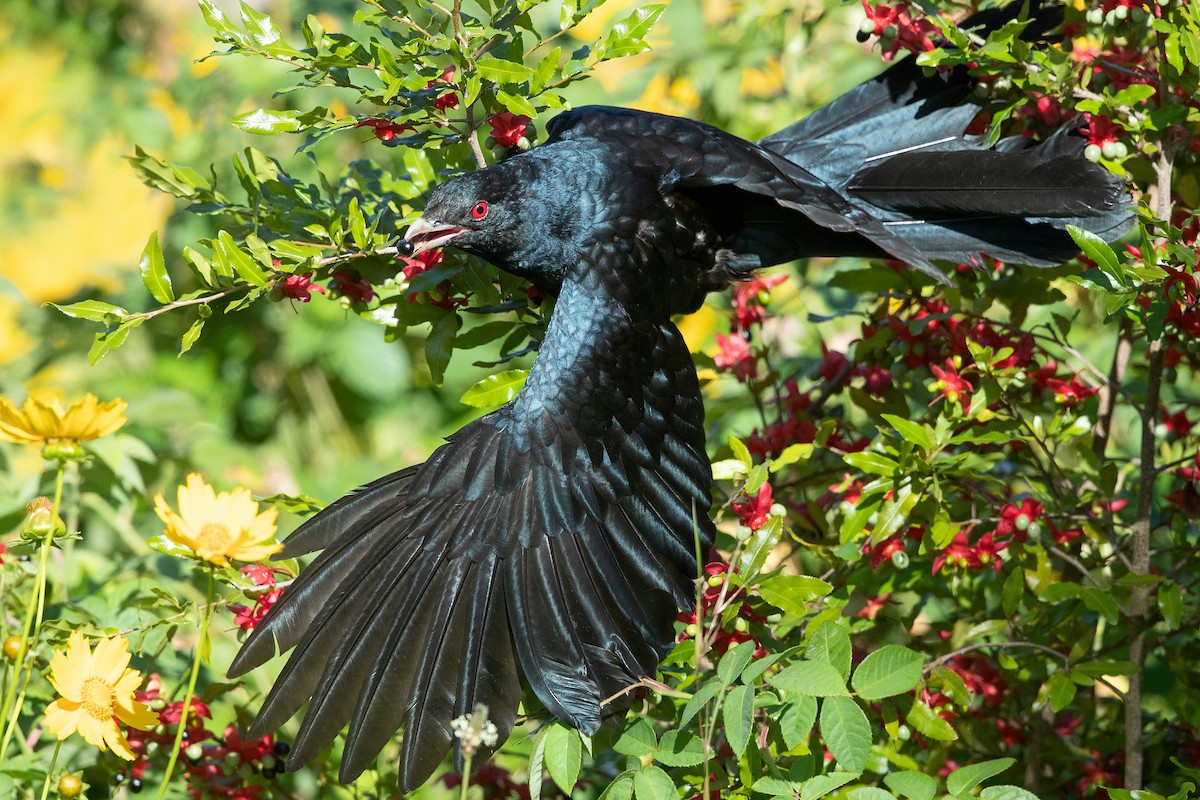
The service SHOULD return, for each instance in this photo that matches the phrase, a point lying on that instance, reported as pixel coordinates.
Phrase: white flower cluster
(474, 729)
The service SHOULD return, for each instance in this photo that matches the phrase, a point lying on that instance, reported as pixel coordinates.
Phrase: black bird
(552, 541)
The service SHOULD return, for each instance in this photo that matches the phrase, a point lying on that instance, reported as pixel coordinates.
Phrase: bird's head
(505, 214)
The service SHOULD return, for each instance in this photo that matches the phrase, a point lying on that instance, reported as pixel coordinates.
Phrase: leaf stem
(50, 771)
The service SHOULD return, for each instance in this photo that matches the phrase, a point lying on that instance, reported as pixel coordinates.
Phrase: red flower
(897, 28)
(449, 99)
(749, 299)
(385, 129)
(883, 551)
(300, 287)
(1069, 393)
(1100, 129)
(950, 384)
(352, 286)
(1188, 284)
(874, 606)
(735, 355)
(755, 511)
(508, 128)
(1016, 519)
(422, 262)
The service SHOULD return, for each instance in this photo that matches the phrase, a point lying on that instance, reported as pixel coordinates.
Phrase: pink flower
(508, 128)
(735, 354)
(950, 384)
(300, 287)
(422, 262)
(755, 511)
(1069, 393)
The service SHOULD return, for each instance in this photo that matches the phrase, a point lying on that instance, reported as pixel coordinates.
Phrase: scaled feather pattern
(551, 542)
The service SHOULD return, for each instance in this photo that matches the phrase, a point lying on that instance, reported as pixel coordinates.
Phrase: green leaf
(1061, 690)
(1100, 601)
(154, 272)
(246, 267)
(776, 787)
(620, 789)
(734, 661)
(1133, 94)
(358, 225)
(516, 104)
(92, 310)
(498, 70)
(846, 732)
(911, 431)
(1170, 603)
(440, 346)
(924, 720)
(891, 670)
(760, 545)
(831, 643)
(738, 715)
(637, 740)
(797, 721)
(628, 37)
(264, 122)
(872, 462)
(651, 783)
(815, 678)
(964, 779)
(190, 337)
(704, 694)
(564, 754)
(537, 768)
(680, 749)
(913, 785)
(1098, 250)
(495, 390)
(1100, 667)
(1012, 793)
(793, 593)
(870, 793)
(823, 785)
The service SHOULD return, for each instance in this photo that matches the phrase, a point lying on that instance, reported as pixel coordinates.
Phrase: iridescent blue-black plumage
(552, 541)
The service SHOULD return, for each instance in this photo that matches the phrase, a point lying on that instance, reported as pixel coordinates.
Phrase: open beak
(429, 234)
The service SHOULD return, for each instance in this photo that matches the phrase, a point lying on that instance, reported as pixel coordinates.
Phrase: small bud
(777, 510)
(41, 522)
(194, 752)
(474, 729)
(741, 625)
(1035, 529)
(903, 733)
(866, 26)
(1092, 152)
(743, 533)
(900, 559)
(62, 450)
(716, 580)
(1022, 522)
(692, 629)
(70, 786)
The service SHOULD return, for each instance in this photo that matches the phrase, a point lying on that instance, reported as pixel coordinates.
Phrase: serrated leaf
(537, 767)
(793, 593)
(501, 71)
(563, 756)
(734, 661)
(738, 716)
(797, 721)
(1011, 793)
(846, 732)
(637, 740)
(651, 783)
(913, 785)
(815, 678)
(701, 696)
(923, 719)
(154, 272)
(776, 787)
(92, 310)
(679, 749)
(964, 779)
(741, 452)
(891, 670)
(869, 793)
(495, 390)
(823, 785)
(831, 643)
(620, 789)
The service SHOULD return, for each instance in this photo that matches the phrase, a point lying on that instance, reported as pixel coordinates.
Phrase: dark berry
(118, 779)
(135, 785)
(405, 247)
(282, 748)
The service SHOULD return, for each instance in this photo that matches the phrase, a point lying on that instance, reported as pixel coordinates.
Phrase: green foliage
(995, 482)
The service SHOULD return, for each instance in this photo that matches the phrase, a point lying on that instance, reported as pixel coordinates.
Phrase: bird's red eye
(479, 211)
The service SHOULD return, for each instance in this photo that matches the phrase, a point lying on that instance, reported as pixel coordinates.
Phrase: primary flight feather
(551, 542)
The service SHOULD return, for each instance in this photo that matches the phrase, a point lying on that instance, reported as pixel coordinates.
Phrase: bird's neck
(599, 359)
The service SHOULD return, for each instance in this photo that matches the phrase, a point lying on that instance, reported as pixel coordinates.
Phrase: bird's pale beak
(429, 234)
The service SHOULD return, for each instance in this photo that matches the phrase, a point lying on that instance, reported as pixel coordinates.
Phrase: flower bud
(1092, 152)
(70, 786)
(41, 522)
(12, 647)
(741, 625)
(900, 559)
(62, 450)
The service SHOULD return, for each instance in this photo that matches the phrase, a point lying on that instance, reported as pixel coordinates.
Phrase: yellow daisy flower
(97, 691)
(218, 527)
(43, 419)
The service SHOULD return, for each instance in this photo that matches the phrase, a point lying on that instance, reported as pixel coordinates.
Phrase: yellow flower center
(214, 537)
(98, 699)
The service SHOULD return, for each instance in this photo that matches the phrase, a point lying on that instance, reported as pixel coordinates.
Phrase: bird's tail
(895, 147)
